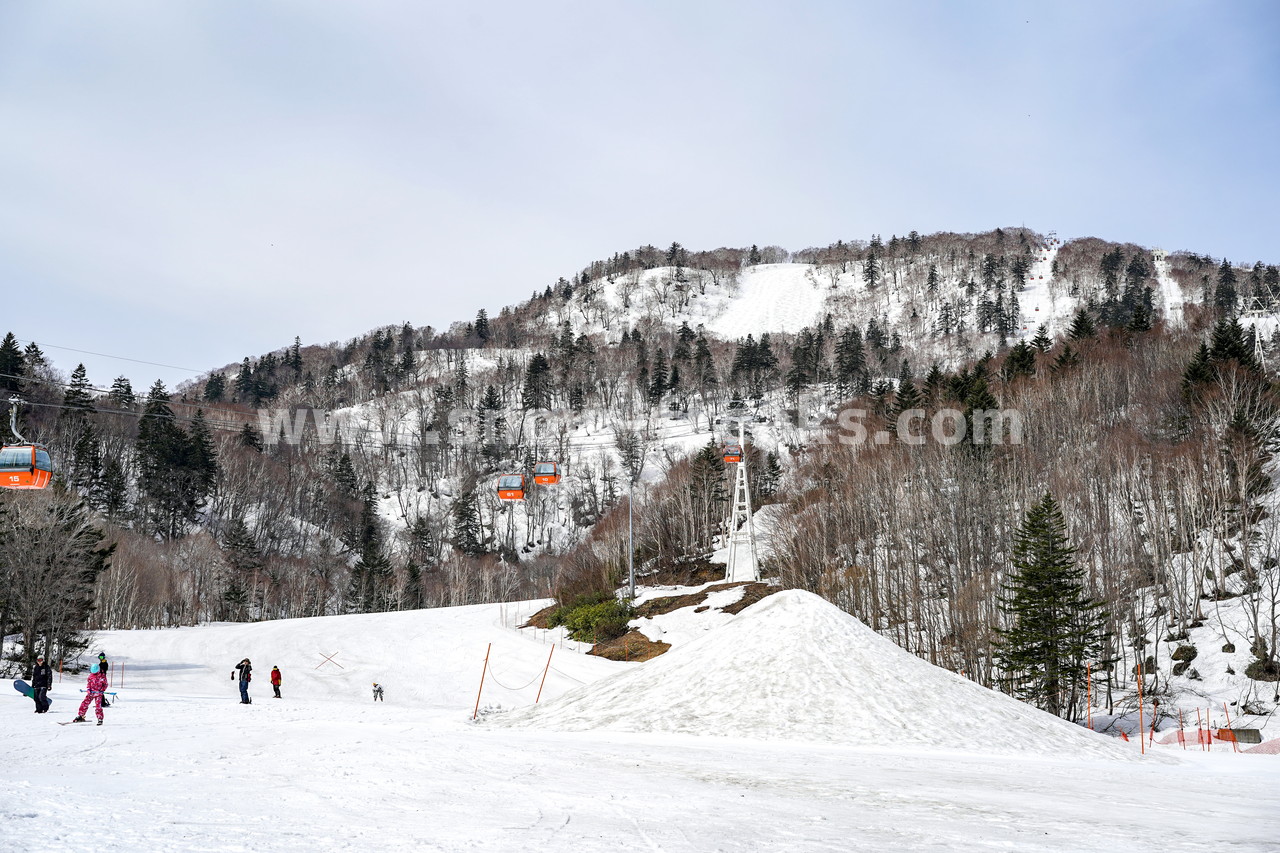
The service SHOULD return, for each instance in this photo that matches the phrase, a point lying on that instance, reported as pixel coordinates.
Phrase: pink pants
(94, 696)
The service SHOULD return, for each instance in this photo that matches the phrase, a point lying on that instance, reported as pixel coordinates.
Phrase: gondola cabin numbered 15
(25, 466)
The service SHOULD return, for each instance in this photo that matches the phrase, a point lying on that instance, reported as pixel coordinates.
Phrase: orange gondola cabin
(25, 466)
(546, 473)
(733, 453)
(511, 487)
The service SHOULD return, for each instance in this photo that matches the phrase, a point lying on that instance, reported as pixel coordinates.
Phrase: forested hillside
(361, 476)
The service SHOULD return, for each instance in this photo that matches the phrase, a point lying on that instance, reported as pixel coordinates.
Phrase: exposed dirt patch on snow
(541, 619)
(751, 593)
(631, 646)
(692, 573)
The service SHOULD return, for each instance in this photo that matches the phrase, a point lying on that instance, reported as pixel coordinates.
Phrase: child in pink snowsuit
(93, 693)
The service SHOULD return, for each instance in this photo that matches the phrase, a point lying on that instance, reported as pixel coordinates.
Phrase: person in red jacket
(93, 691)
(275, 680)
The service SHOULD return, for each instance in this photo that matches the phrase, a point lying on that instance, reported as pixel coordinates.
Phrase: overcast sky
(192, 182)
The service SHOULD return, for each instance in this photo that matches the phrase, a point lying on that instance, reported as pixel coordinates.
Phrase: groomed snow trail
(181, 766)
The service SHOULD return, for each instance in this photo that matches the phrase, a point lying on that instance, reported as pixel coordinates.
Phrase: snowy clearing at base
(181, 766)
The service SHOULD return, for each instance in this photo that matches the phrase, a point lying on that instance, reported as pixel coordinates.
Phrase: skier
(377, 692)
(93, 691)
(103, 666)
(245, 670)
(41, 681)
(275, 680)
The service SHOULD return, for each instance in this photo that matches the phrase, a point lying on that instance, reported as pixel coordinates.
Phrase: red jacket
(275, 676)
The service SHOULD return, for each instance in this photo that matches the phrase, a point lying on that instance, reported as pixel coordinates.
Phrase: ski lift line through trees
(236, 425)
(107, 391)
(116, 357)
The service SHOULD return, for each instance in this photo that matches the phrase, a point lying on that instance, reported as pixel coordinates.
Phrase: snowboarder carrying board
(93, 691)
(41, 681)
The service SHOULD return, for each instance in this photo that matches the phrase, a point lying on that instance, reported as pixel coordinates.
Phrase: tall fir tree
(1053, 628)
(12, 366)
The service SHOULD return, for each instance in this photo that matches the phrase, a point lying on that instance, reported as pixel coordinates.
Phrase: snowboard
(28, 691)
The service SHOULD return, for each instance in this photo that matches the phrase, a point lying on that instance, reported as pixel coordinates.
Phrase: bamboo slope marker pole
(1234, 744)
(1088, 692)
(484, 670)
(544, 675)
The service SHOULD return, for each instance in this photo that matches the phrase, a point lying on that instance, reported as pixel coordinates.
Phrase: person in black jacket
(245, 670)
(41, 681)
(102, 668)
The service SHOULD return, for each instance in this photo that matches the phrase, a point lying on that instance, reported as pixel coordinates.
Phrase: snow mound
(795, 667)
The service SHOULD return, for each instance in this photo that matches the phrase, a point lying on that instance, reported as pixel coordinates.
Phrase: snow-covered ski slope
(181, 766)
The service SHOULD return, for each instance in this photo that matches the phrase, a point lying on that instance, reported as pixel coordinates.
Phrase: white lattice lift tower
(743, 564)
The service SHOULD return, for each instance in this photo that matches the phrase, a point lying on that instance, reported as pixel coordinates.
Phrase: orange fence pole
(544, 675)
(1088, 692)
(1142, 727)
(1234, 744)
(482, 674)
(1181, 737)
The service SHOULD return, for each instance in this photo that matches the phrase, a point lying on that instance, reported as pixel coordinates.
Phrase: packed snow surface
(773, 298)
(181, 766)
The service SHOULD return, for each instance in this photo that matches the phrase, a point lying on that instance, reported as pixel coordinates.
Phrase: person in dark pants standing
(102, 668)
(41, 681)
(245, 670)
(275, 680)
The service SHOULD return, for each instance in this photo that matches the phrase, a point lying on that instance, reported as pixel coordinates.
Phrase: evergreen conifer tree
(215, 390)
(1053, 628)
(121, 394)
(1021, 361)
(537, 384)
(467, 533)
(12, 366)
(1082, 327)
